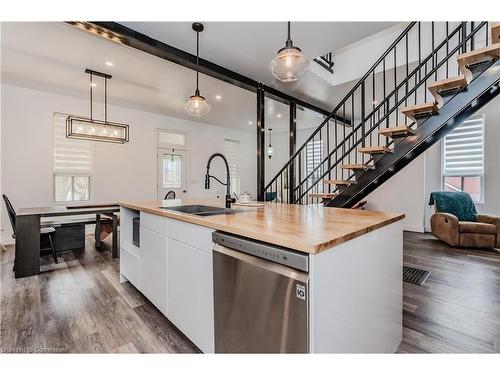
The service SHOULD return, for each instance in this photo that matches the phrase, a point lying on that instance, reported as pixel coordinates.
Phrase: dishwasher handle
(269, 252)
(291, 273)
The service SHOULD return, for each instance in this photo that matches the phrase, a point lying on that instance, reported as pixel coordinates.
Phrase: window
(169, 138)
(463, 158)
(232, 154)
(72, 164)
(172, 171)
(314, 157)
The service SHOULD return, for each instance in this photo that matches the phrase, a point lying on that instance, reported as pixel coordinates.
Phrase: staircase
(424, 85)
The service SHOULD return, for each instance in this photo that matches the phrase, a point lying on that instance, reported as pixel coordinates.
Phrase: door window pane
(172, 171)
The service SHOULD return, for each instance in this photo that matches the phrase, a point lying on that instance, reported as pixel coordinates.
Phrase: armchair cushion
(456, 203)
(480, 228)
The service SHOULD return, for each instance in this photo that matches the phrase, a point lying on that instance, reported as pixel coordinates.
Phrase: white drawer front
(130, 267)
(156, 223)
(191, 234)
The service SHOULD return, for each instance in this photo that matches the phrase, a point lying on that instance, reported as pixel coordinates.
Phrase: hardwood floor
(79, 306)
(457, 310)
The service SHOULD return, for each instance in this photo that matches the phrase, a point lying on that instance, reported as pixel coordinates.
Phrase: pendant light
(91, 129)
(290, 63)
(270, 149)
(197, 105)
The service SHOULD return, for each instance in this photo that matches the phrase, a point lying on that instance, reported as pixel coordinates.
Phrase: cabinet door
(190, 293)
(153, 273)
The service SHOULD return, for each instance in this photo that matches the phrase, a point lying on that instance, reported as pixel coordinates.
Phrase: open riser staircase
(429, 81)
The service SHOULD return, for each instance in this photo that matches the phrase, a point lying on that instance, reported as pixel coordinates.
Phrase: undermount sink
(200, 210)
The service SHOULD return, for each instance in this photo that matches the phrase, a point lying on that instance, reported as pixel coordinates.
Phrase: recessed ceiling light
(278, 115)
(218, 97)
(109, 63)
(250, 122)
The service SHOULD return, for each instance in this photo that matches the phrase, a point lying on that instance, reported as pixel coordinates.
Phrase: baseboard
(409, 228)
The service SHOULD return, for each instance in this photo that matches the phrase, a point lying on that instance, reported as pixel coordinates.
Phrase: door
(172, 172)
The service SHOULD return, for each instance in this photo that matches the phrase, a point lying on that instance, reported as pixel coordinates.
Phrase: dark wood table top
(64, 210)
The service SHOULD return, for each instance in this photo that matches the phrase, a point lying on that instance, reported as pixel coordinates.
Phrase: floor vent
(414, 275)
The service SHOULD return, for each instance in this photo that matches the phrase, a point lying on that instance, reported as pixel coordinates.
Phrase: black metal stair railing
(373, 102)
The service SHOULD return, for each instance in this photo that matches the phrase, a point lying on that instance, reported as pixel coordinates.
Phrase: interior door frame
(174, 147)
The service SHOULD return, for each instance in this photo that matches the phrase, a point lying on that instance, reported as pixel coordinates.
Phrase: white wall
(120, 172)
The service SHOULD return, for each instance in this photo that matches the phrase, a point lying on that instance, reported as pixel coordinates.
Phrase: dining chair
(44, 232)
(170, 195)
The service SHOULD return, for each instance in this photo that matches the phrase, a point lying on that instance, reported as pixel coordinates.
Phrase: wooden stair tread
(323, 195)
(356, 166)
(410, 111)
(388, 132)
(339, 182)
(495, 33)
(449, 83)
(477, 55)
(375, 150)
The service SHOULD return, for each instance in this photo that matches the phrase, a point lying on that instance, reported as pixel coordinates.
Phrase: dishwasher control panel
(263, 250)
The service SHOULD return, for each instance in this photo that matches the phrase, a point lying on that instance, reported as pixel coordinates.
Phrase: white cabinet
(190, 293)
(153, 268)
(173, 269)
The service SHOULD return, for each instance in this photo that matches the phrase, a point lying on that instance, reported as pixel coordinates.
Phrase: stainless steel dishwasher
(261, 297)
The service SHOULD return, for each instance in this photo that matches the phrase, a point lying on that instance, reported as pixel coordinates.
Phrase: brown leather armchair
(484, 233)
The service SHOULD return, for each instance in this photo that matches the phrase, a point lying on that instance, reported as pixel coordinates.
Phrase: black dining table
(28, 220)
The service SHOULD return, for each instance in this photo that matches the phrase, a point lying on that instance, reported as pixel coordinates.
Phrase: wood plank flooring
(79, 306)
(457, 310)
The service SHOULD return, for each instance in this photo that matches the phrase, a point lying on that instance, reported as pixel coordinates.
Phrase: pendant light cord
(105, 100)
(197, 59)
(289, 30)
(91, 87)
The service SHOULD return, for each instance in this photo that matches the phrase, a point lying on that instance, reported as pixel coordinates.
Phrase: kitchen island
(354, 290)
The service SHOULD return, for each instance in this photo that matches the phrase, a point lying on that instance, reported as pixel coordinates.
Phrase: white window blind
(232, 154)
(463, 151)
(314, 156)
(72, 164)
(71, 157)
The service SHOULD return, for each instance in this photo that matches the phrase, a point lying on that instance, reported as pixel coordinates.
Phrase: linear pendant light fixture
(290, 63)
(79, 127)
(197, 105)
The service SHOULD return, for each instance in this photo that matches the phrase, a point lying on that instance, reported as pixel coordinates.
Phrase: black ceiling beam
(129, 37)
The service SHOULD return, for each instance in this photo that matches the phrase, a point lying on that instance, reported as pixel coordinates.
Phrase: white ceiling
(249, 47)
(52, 56)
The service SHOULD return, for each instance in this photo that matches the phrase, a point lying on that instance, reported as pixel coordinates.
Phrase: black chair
(170, 195)
(44, 232)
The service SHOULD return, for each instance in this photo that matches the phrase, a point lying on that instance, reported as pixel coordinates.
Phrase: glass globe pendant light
(290, 63)
(197, 105)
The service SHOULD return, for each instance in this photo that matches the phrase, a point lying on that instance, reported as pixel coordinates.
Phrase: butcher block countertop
(310, 229)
